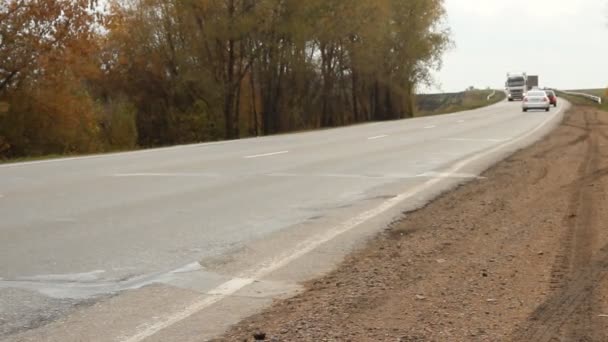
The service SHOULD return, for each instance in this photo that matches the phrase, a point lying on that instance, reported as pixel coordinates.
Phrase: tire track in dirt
(584, 136)
(569, 314)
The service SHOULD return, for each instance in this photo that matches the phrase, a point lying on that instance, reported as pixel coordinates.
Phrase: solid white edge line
(265, 155)
(429, 127)
(232, 286)
(377, 137)
(476, 139)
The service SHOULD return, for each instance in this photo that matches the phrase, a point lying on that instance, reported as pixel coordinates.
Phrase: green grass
(578, 100)
(436, 104)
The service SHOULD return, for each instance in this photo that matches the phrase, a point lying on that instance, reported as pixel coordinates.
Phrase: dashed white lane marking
(429, 127)
(234, 285)
(266, 155)
(377, 137)
(461, 121)
(65, 220)
(163, 174)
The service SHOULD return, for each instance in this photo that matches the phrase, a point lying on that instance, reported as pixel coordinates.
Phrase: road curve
(213, 232)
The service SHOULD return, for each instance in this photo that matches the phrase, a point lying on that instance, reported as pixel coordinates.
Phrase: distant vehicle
(516, 86)
(552, 97)
(536, 99)
(532, 82)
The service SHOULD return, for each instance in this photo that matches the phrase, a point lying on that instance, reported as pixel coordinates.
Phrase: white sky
(564, 42)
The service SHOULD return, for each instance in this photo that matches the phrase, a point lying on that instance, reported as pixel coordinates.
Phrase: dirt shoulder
(520, 255)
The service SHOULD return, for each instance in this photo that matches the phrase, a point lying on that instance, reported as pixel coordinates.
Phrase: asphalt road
(207, 221)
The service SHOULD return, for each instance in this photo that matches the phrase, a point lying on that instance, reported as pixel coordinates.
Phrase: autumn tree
(416, 45)
(45, 49)
(37, 33)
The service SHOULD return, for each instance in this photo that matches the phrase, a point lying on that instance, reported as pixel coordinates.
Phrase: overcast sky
(564, 42)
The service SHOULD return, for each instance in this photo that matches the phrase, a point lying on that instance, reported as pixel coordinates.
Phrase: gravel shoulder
(518, 255)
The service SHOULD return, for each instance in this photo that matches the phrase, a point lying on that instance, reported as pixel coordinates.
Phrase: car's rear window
(537, 93)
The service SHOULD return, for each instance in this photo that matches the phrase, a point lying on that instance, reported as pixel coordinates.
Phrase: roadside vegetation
(603, 93)
(76, 78)
(434, 104)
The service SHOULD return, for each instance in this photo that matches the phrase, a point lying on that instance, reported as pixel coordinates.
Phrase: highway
(176, 243)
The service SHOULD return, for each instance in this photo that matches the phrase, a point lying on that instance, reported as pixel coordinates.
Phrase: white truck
(516, 86)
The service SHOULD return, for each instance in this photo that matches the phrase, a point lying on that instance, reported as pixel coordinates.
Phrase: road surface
(152, 243)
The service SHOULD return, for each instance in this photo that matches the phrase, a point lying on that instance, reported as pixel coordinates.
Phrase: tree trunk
(354, 90)
(229, 88)
(256, 128)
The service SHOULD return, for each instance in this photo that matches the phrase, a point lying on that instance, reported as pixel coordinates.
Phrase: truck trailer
(532, 82)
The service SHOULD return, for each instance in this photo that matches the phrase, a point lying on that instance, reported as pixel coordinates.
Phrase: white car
(536, 99)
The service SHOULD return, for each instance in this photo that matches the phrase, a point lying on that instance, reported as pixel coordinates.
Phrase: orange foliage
(46, 53)
(55, 118)
(39, 33)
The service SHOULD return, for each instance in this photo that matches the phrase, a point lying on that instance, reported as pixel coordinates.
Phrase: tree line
(77, 78)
